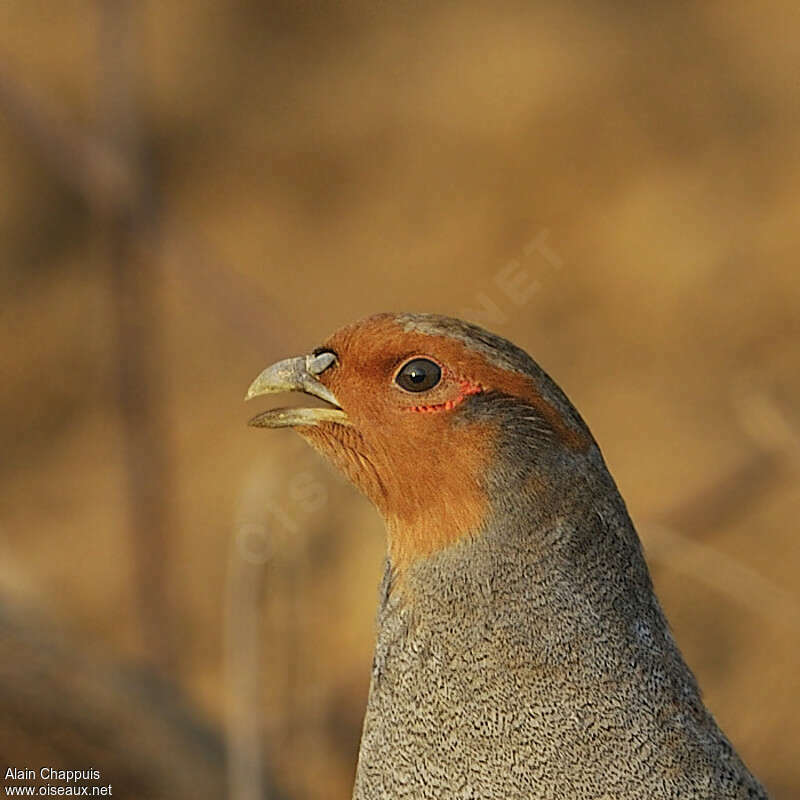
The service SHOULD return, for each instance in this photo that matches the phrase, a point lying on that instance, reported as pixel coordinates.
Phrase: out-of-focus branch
(715, 505)
(735, 580)
(86, 164)
(243, 643)
(239, 303)
(678, 536)
(777, 447)
(131, 240)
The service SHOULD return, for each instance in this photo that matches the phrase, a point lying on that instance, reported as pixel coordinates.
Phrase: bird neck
(423, 523)
(549, 575)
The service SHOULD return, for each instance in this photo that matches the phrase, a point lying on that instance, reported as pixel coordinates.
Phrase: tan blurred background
(190, 191)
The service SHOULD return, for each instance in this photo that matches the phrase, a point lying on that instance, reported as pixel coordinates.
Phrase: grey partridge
(521, 651)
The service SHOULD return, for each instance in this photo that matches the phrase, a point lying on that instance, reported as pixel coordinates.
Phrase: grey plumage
(535, 662)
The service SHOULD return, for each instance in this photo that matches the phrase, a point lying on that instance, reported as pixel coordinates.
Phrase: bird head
(437, 421)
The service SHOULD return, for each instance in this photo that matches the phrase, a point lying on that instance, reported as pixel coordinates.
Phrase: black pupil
(419, 375)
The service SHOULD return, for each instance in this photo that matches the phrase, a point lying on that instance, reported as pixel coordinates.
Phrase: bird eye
(419, 375)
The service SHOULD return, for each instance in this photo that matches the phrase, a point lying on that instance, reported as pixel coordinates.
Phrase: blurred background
(191, 191)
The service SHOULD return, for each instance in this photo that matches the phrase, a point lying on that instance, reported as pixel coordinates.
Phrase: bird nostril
(320, 360)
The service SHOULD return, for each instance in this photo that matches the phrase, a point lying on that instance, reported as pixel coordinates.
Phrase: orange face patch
(405, 450)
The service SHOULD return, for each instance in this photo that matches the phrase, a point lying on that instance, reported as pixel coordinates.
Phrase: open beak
(296, 375)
